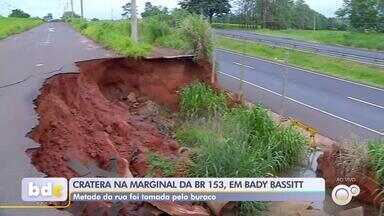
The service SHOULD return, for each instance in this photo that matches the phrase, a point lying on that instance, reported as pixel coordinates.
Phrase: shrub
(155, 29)
(198, 100)
(162, 31)
(198, 35)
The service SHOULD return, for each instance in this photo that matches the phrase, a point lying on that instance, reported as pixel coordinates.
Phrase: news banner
(173, 189)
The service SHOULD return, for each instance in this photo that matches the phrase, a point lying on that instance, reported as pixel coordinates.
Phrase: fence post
(284, 87)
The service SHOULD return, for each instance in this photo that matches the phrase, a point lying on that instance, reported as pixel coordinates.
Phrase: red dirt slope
(87, 117)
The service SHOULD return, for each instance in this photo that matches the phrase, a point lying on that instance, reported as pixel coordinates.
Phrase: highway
(354, 54)
(341, 110)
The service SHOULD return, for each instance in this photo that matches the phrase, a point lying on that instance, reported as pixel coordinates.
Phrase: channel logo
(342, 194)
(44, 189)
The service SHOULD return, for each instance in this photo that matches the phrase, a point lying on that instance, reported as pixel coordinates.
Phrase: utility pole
(314, 22)
(82, 9)
(73, 12)
(134, 31)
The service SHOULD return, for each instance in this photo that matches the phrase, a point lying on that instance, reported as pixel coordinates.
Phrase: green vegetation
(261, 148)
(160, 33)
(252, 208)
(363, 15)
(113, 35)
(207, 8)
(344, 69)
(179, 30)
(235, 142)
(198, 36)
(374, 41)
(280, 14)
(354, 15)
(9, 26)
(17, 13)
(200, 100)
(160, 164)
(376, 154)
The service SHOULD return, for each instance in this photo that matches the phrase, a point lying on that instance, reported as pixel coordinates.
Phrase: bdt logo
(44, 189)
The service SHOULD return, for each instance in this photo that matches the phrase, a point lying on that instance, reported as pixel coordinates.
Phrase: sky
(111, 9)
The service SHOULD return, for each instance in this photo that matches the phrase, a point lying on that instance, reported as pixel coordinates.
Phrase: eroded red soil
(107, 112)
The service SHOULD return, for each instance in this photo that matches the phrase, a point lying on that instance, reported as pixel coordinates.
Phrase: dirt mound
(110, 111)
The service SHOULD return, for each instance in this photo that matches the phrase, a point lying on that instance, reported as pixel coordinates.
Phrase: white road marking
(39, 65)
(365, 102)
(306, 105)
(297, 68)
(243, 65)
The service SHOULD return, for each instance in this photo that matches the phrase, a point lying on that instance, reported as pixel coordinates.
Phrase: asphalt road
(359, 55)
(25, 61)
(339, 109)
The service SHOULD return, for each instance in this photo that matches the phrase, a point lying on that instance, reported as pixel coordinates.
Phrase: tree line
(355, 15)
(363, 15)
(275, 14)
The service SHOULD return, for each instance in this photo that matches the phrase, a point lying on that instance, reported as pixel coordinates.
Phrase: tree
(68, 15)
(208, 8)
(19, 13)
(151, 10)
(362, 14)
(127, 10)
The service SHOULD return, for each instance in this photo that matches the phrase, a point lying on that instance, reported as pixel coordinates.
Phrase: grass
(373, 41)
(189, 33)
(113, 35)
(376, 154)
(160, 33)
(252, 208)
(363, 157)
(161, 164)
(261, 147)
(344, 69)
(235, 142)
(198, 100)
(10, 26)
